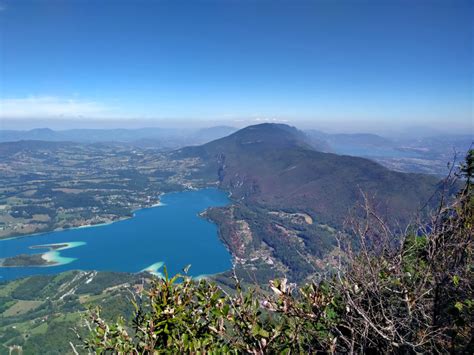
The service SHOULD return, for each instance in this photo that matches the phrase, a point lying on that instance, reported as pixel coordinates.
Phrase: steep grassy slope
(39, 313)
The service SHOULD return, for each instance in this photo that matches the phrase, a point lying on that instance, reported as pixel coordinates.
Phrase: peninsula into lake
(50, 258)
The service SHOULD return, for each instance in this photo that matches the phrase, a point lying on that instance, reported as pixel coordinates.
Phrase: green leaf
(263, 333)
(255, 330)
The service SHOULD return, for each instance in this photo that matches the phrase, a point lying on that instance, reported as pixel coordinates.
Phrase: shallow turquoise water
(172, 234)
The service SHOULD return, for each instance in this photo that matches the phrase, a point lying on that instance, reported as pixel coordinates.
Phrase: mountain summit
(261, 137)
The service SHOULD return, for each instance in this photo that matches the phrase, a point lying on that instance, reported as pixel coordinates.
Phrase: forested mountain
(275, 165)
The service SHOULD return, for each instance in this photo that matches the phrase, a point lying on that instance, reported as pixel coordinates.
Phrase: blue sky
(376, 62)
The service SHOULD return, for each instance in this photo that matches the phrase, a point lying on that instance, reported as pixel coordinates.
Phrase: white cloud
(53, 107)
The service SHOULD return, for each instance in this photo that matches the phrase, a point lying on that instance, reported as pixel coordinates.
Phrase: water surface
(172, 234)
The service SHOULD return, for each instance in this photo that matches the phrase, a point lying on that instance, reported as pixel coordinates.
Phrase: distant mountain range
(425, 154)
(372, 145)
(144, 137)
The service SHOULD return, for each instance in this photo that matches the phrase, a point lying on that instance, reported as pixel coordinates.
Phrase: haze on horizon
(345, 66)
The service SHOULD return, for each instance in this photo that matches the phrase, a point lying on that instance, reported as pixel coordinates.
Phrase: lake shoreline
(124, 218)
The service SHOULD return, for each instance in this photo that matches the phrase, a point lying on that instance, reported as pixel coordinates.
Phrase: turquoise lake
(172, 234)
